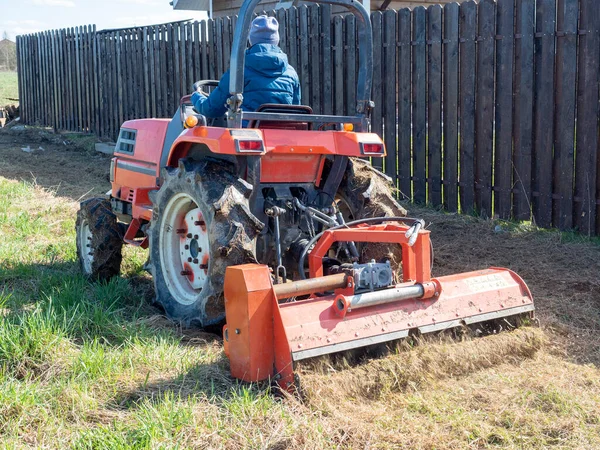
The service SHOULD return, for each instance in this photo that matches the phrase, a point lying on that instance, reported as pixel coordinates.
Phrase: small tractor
(274, 222)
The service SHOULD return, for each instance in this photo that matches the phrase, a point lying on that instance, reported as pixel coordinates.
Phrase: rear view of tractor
(274, 222)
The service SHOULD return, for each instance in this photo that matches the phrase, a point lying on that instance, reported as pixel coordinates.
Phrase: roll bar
(238, 53)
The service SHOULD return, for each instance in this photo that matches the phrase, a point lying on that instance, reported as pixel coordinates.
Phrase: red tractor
(258, 202)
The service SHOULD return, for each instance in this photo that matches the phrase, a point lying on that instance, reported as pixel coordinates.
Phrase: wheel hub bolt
(195, 261)
(187, 247)
(189, 259)
(189, 235)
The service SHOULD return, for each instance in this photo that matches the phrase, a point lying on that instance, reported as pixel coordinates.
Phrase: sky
(30, 16)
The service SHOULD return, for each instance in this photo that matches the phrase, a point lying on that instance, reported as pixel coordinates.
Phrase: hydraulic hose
(371, 220)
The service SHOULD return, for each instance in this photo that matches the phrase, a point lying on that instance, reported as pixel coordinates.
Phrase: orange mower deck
(266, 333)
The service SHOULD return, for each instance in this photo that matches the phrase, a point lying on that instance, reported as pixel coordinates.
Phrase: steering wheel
(200, 86)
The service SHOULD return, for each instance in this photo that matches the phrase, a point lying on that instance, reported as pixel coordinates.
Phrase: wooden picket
(487, 107)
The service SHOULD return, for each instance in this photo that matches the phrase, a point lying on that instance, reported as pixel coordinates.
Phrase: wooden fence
(488, 107)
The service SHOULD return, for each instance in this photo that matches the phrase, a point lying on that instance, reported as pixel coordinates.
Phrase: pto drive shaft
(344, 303)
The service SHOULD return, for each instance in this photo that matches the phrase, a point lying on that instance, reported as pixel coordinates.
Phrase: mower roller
(274, 222)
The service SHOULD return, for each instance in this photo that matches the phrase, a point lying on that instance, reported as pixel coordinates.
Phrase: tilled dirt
(561, 270)
(55, 164)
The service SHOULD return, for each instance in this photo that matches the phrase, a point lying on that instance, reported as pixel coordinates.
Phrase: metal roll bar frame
(235, 115)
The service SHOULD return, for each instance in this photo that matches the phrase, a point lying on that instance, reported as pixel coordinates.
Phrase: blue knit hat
(264, 30)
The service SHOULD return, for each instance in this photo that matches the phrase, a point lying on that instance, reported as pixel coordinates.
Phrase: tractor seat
(282, 109)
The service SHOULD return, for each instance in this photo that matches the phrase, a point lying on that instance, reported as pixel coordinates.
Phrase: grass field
(89, 366)
(9, 88)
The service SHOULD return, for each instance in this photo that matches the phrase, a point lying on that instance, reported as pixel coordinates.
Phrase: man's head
(264, 30)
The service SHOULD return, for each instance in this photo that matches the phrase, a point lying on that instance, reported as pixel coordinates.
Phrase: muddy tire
(366, 192)
(201, 224)
(99, 240)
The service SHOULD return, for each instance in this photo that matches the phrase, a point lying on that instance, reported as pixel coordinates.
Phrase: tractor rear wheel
(99, 240)
(201, 224)
(366, 192)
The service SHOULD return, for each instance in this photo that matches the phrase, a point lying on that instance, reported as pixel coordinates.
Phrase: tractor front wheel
(99, 240)
(201, 224)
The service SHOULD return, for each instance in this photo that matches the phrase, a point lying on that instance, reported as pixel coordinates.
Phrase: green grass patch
(9, 88)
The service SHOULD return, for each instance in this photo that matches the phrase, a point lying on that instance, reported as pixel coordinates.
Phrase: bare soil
(60, 165)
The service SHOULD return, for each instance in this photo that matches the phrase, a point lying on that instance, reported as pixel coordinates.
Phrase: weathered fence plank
(316, 66)
(523, 125)
(450, 105)
(434, 101)
(327, 72)
(350, 64)
(98, 88)
(88, 77)
(468, 16)
(419, 122)
(71, 124)
(566, 68)
(304, 57)
(377, 95)
(389, 94)
(338, 62)
(484, 118)
(584, 214)
(404, 70)
(205, 54)
(292, 27)
(504, 112)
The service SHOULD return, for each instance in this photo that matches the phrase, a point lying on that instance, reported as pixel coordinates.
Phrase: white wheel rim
(184, 249)
(85, 247)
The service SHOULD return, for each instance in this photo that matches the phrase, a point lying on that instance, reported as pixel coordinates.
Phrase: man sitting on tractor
(268, 76)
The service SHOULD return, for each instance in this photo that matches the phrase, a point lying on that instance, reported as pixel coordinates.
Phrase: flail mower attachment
(271, 327)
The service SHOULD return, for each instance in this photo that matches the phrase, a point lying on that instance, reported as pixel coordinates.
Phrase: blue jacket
(268, 78)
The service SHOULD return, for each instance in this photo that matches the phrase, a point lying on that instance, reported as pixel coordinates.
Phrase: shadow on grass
(44, 304)
(204, 380)
(112, 312)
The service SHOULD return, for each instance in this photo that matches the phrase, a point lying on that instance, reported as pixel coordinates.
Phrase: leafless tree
(8, 53)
